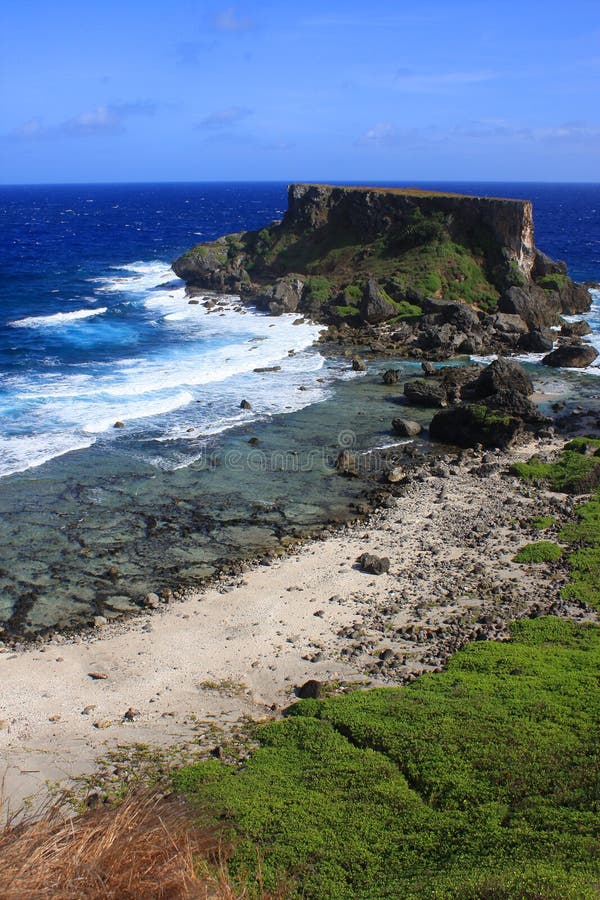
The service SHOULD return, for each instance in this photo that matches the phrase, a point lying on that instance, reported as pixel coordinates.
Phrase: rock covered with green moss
(350, 256)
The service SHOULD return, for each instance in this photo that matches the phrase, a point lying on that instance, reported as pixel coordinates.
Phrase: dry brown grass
(147, 847)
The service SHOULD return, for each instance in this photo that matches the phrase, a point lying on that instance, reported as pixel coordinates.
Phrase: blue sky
(192, 91)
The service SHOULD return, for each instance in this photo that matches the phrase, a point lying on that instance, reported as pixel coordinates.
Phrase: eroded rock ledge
(428, 274)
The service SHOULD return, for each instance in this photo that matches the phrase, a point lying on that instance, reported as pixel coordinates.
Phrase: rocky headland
(422, 274)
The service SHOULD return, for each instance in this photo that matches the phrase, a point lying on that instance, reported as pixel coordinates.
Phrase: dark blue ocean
(95, 330)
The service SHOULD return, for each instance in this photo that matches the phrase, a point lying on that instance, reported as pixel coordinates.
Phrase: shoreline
(241, 647)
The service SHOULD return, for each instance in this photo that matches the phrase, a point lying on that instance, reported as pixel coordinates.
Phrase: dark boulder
(358, 364)
(429, 368)
(576, 329)
(455, 312)
(571, 356)
(310, 690)
(572, 297)
(391, 376)
(375, 305)
(473, 424)
(406, 427)
(516, 404)
(456, 379)
(245, 405)
(509, 323)
(347, 463)
(425, 393)
(501, 375)
(544, 265)
(538, 340)
(283, 296)
(374, 565)
(535, 306)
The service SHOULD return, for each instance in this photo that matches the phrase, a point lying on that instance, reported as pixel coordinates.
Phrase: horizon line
(349, 183)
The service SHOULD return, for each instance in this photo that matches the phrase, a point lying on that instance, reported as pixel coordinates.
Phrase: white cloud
(223, 118)
(383, 133)
(106, 119)
(230, 20)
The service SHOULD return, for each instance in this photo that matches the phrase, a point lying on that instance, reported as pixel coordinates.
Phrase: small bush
(542, 523)
(319, 289)
(553, 282)
(353, 294)
(431, 284)
(347, 312)
(407, 310)
(539, 552)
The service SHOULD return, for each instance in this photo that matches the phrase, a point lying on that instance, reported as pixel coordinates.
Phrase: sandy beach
(243, 647)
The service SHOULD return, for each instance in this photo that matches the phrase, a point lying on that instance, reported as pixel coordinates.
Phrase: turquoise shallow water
(97, 529)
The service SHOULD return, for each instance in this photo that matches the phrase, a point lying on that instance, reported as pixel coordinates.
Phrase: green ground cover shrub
(481, 781)
(573, 471)
(542, 523)
(539, 552)
(347, 312)
(584, 584)
(553, 282)
(319, 289)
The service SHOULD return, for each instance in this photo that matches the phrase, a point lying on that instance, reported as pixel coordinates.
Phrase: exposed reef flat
(423, 273)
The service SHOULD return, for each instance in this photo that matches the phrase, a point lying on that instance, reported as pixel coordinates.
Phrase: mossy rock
(473, 424)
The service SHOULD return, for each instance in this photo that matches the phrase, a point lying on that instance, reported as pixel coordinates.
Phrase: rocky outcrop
(436, 274)
(474, 424)
(283, 296)
(488, 406)
(375, 305)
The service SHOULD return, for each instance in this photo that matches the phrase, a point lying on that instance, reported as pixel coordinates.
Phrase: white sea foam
(185, 388)
(57, 319)
(22, 452)
(103, 416)
(593, 319)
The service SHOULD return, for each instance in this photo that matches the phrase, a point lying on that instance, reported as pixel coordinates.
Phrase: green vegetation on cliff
(481, 781)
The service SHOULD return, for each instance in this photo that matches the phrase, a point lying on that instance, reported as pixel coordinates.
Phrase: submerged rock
(406, 427)
(391, 376)
(425, 393)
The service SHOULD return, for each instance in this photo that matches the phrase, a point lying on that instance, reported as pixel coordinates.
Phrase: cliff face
(452, 273)
(375, 211)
